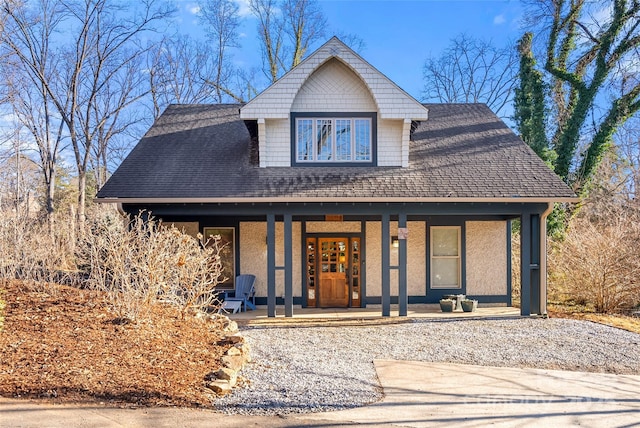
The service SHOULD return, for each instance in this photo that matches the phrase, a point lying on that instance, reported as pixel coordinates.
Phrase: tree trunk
(82, 197)
(51, 189)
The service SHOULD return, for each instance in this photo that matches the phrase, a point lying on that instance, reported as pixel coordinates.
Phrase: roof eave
(285, 199)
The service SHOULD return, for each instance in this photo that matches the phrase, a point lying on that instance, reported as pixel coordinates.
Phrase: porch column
(530, 256)
(271, 265)
(288, 267)
(403, 296)
(386, 267)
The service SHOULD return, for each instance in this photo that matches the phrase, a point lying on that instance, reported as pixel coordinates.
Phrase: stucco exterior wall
(373, 259)
(486, 258)
(416, 254)
(253, 256)
(416, 259)
(253, 253)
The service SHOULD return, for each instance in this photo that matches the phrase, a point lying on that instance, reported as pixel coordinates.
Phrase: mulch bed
(63, 344)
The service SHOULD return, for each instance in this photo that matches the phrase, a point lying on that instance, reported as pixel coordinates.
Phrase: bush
(33, 252)
(139, 263)
(598, 263)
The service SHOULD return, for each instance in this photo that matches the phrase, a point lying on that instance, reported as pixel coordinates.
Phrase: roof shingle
(203, 152)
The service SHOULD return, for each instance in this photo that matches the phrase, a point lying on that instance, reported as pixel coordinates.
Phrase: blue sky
(398, 35)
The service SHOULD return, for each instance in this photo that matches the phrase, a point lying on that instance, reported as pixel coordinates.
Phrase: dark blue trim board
(373, 116)
(403, 300)
(465, 210)
(288, 264)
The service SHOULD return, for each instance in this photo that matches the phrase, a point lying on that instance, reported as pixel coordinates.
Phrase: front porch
(374, 256)
(369, 315)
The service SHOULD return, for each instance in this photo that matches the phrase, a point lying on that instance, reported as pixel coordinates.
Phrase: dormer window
(341, 138)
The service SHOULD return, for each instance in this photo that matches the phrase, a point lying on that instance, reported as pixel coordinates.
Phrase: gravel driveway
(310, 369)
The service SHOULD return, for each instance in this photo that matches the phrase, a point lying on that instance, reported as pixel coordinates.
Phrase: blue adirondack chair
(245, 292)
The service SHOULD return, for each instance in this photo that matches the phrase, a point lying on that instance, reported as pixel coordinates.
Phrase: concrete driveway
(417, 394)
(436, 394)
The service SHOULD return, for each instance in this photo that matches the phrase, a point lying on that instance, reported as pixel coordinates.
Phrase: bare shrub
(598, 264)
(33, 252)
(195, 270)
(139, 263)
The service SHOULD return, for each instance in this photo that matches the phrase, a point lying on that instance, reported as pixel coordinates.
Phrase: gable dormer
(334, 109)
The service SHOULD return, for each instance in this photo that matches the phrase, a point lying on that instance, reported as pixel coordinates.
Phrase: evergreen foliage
(529, 102)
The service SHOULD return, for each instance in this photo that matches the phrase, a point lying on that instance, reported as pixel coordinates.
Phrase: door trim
(312, 268)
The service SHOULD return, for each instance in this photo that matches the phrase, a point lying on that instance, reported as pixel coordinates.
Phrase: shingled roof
(202, 153)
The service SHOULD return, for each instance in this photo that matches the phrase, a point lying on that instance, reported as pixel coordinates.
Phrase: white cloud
(499, 19)
(243, 7)
(193, 9)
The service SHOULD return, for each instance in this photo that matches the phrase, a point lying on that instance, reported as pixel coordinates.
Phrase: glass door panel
(333, 277)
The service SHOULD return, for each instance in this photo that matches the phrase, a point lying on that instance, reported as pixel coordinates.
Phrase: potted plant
(447, 305)
(469, 305)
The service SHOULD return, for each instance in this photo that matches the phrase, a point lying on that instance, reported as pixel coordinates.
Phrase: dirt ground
(64, 345)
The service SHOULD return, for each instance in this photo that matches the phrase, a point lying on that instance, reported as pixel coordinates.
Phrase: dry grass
(579, 312)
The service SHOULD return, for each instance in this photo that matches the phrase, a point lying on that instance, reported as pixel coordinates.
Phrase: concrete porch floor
(370, 314)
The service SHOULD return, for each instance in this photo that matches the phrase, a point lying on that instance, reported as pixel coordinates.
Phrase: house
(338, 189)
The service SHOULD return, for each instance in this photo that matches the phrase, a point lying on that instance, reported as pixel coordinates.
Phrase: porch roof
(204, 153)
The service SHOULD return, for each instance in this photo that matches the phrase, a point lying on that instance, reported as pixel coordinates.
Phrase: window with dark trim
(320, 138)
(446, 257)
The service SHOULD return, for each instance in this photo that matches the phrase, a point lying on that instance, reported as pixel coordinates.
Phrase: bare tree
(304, 24)
(471, 71)
(270, 34)
(627, 141)
(98, 45)
(352, 40)
(112, 113)
(32, 109)
(176, 66)
(301, 22)
(26, 93)
(221, 20)
(20, 177)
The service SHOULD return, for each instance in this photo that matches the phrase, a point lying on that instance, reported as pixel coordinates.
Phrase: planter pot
(447, 305)
(469, 305)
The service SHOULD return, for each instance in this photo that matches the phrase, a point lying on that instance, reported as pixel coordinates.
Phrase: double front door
(333, 272)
